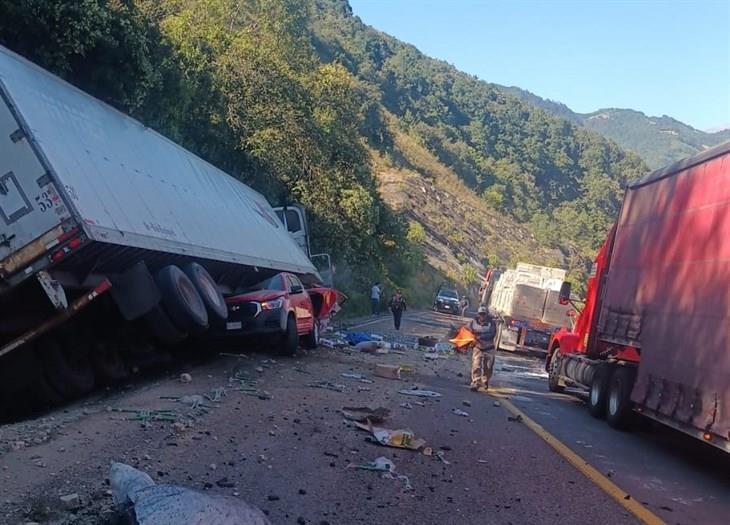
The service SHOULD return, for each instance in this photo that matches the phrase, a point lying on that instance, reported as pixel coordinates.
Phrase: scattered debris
(353, 376)
(362, 414)
(135, 494)
(427, 451)
(440, 456)
(443, 347)
(427, 341)
(460, 412)
(186, 378)
(354, 338)
(147, 416)
(327, 385)
(516, 418)
(388, 371)
(381, 464)
(407, 406)
(259, 369)
(371, 347)
(419, 393)
(466, 403)
(497, 404)
(481, 461)
(71, 502)
(393, 438)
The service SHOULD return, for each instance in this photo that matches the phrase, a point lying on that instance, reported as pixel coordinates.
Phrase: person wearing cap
(484, 328)
(397, 306)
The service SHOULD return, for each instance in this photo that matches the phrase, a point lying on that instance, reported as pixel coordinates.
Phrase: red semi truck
(654, 335)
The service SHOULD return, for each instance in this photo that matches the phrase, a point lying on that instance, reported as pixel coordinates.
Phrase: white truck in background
(526, 297)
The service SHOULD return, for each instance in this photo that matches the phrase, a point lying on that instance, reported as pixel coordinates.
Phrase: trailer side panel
(668, 292)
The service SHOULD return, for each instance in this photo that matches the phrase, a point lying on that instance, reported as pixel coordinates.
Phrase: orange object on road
(464, 337)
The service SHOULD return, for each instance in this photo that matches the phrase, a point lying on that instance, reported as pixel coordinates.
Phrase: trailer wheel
(67, 366)
(290, 338)
(181, 300)
(618, 406)
(108, 364)
(162, 327)
(599, 392)
(554, 372)
(311, 340)
(212, 297)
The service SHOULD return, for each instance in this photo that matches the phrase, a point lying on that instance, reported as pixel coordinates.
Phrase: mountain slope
(657, 140)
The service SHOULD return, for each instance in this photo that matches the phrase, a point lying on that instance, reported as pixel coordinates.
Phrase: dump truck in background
(653, 336)
(103, 220)
(526, 297)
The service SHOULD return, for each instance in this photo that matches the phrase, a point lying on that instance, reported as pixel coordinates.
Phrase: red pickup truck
(281, 311)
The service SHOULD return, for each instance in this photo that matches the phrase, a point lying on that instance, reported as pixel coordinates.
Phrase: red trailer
(654, 335)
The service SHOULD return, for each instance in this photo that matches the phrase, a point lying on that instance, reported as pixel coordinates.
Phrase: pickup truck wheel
(212, 297)
(162, 327)
(108, 364)
(311, 340)
(554, 372)
(290, 338)
(618, 405)
(67, 366)
(181, 300)
(599, 392)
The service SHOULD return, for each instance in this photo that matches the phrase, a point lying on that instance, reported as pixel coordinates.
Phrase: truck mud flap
(135, 292)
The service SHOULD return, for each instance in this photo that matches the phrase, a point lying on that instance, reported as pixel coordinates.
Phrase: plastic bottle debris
(460, 412)
(388, 371)
(381, 464)
(136, 495)
(419, 393)
(393, 438)
(353, 376)
(362, 414)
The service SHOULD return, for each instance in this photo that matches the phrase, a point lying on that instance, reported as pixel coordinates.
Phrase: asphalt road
(679, 479)
(294, 455)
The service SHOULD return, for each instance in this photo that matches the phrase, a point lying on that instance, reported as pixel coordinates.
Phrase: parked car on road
(279, 310)
(447, 301)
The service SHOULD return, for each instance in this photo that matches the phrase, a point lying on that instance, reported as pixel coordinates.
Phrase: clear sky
(666, 57)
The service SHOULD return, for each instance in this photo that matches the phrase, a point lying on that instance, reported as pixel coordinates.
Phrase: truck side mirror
(564, 295)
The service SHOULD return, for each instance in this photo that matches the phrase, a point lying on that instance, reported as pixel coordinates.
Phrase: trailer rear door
(29, 202)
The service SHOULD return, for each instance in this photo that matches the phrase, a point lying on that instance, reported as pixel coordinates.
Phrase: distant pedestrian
(397, 306)
(464, 304)
(483, 353)
(375, 293)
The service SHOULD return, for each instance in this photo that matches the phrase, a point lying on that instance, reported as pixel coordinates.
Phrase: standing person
(484, 328)
(375, 293)
(464, 303)
(397, 306)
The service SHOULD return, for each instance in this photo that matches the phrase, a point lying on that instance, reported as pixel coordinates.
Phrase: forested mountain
(399, 158)
(657, 140)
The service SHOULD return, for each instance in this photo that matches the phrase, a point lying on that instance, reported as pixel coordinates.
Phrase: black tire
(181, 300)
(311, 340)
(618, 404)
(108, 364)
(212, 297)
(598, 395)
(66, 365)
(554, 373)
(290, 338)
(162, 327)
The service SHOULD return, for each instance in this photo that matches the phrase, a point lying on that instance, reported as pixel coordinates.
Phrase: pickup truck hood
(258, 296)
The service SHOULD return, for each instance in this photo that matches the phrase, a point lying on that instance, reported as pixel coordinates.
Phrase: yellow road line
(609, 487)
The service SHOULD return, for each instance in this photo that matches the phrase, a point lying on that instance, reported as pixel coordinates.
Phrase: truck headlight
(274, 304)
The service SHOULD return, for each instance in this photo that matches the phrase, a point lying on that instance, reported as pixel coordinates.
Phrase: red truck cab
(280, 310)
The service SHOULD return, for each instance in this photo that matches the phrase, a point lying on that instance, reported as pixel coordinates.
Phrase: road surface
(283, 445)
